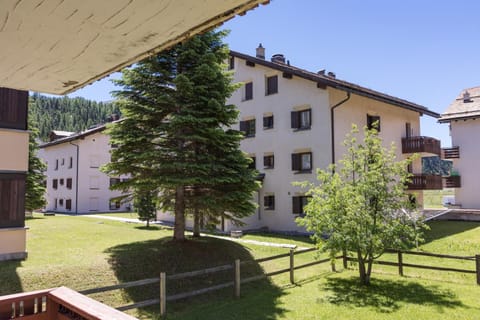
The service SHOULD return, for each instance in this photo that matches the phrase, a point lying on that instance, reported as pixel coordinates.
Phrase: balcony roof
(465, 106)
(57, 46)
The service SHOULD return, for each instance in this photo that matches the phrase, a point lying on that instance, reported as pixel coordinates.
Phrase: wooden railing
(425, 182)
(421, 144)
(452, 182)
(56, 304)
(451, 153)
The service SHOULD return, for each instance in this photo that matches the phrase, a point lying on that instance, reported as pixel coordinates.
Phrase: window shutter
(265, 161)
(13, 108)
(265, 122)
(296, 205)
(296, 161)
(243, 126)
(12, 206)
(295, 120)
(249, 91)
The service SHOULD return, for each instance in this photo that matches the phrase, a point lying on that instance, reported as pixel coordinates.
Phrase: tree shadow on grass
(9, 280)
(146, 259)
(387, 296)
(442, 229)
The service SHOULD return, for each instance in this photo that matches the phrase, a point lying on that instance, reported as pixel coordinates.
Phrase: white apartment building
(75, 183)
(463, 116)
(295, 121)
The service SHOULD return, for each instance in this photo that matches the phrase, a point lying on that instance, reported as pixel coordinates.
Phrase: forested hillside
(68, 114)
(435, 165)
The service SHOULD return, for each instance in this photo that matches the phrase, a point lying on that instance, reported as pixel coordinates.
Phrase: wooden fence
(237, 280)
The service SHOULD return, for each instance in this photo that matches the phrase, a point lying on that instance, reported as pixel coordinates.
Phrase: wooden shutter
(297, 205)
(249, 91)
(13, 109)
(295, 120)
(12, 200)
(272, 85)
(296, 161)
(243, 126)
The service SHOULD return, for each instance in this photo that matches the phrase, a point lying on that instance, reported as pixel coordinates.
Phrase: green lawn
(82, 252)
(432, 199)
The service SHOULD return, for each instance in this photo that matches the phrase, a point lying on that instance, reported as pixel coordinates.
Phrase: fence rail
(238, 281)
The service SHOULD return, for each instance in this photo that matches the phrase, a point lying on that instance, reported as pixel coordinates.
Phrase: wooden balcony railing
(56, 304)
(421, 144)
(451, 153)
(425, 182)
(452, 182)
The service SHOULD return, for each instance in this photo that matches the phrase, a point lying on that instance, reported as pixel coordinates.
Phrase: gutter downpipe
(76, 178)
(332, 124)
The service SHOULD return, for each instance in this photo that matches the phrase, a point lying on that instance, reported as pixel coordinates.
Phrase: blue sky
(423, 51)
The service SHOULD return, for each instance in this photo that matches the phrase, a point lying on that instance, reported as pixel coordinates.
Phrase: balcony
(452, 182)
(421, 144)
(425, 182)
(451, 153)
(60, 303)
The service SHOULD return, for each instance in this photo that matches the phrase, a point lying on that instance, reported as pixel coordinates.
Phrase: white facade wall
(464, 134)
(93, 185)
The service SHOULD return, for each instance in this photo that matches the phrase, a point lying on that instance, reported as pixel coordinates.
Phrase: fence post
(345, 260)
(477, 262)
(400, 263)
(292, 278)
(163, 294)
(237, 278)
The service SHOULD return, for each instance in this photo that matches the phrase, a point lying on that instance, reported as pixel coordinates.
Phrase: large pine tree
(175, 137)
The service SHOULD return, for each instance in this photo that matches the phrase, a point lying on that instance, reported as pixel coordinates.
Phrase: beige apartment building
(295, 122)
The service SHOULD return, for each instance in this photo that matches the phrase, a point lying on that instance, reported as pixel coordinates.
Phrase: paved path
(255, 242)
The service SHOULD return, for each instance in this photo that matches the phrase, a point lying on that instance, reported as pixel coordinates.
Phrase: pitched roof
(76, 136)
(330, 81)
(465, 106)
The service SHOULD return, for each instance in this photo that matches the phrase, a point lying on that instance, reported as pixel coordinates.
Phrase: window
(248, 91)
(55, 205)
(253, 164)
(68, 204)
(93, 204)
(269, 202)
(62, 182)
(69, 183)
(63, 161)
(114, 181)
(268, 161)
(271, 85)
(298, 204)
(268, 122)
(94, 162)
(248, 127)
(56, 164)
(301, 120)
(55, 184)
(70, 164)
(60, 202)
(114, 204)
(373, 120)
(302, 162)
(94, 183)
(231, 63)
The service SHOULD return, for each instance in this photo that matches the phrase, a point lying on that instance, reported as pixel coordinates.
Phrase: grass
(84, 252)
(433, 199)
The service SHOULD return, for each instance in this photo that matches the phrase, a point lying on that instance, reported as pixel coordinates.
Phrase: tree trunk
(179, 225)
(148, 223)
(361, 269)
(196, 223)
(369, 269)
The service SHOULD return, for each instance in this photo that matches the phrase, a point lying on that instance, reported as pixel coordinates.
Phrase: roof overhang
(58, 46)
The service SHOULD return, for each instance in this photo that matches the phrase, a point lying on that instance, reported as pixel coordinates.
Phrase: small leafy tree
(145, 205)
(34, 185)
(361, 205)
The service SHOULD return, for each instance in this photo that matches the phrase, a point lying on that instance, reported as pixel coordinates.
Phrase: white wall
(465, 134)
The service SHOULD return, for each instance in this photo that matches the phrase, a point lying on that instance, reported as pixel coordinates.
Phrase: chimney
(321, 72)
(261, 52)
(331, 74)
(278, 58)
(466, 97)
